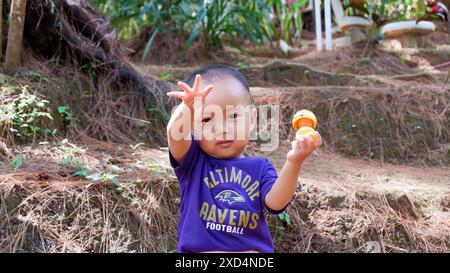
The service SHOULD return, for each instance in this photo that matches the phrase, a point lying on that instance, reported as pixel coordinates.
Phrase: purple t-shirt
(222, 202)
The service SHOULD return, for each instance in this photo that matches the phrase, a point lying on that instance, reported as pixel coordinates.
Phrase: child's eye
(206, 120)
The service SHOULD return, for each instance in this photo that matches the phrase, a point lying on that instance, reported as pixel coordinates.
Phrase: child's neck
(241, 155)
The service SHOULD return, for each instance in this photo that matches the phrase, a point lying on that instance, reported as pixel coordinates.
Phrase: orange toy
(304, 122)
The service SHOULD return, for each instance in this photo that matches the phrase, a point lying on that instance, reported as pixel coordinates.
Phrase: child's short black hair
(218, 70)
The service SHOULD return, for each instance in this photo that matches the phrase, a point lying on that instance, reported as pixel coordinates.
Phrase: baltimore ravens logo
(230, 197)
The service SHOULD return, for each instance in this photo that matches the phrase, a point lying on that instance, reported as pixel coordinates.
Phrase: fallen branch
(443, 65)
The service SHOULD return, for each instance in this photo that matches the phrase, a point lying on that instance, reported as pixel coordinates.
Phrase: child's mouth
(225, 143)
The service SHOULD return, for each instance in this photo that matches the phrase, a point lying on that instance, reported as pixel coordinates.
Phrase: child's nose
(226, 128)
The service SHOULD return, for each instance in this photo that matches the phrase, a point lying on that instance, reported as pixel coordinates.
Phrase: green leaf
(285, 217)
(81, 173)
(191, 38)
(2, 78)
(63, 109)
(161, 112)
(365, 59)
(284, 47)
(17, 162)
(149, 44)
(85, 93)
(68, 160)
(95, 177)
(134, 147)
(197, 26)
(299, 4)
(115, 181)
(55, 60)
(36, 76)
(165, 77)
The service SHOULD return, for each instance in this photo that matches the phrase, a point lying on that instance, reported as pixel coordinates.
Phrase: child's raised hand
(302, 147)
(190, 93)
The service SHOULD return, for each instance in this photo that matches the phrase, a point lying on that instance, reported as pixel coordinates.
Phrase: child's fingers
(206, 91)
(308, 139)
(179, 95)
(299, 138)
(309, 143)
(304, 142)
(301, 143)
(295, 144)
(318, 141)
(186, 88)
(198, 79)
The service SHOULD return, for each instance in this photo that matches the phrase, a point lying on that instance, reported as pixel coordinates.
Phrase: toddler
(223, 193)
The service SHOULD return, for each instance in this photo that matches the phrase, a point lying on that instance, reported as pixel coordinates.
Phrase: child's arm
(179, 138)
(284, 187)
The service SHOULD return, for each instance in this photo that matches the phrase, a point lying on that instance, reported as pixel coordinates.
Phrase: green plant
(130, 16)
(66, 115)
(104, 177)
(158, 170)
(77, 164)
(81, 170)
(365, 59)
(2, 78)
(284, 21)
(219, 19)
(157, 110)
(384, 11)
(285, 217)
(209, 21)
(165, 16)
(36, 76)
(17, 162)
(85, 94)
(73, 158)
(88, 67)
(24, 114)
(165, 77)
(405, 10)
(307, 73)
(137, 145)
(56, 60)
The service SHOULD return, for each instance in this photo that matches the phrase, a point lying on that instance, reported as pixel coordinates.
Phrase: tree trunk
(15, 35)
(1, 30)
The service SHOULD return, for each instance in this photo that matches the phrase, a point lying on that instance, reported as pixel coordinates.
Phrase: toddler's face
(226, 118)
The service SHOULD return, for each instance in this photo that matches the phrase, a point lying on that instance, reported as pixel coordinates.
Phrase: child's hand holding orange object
(306, 138)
